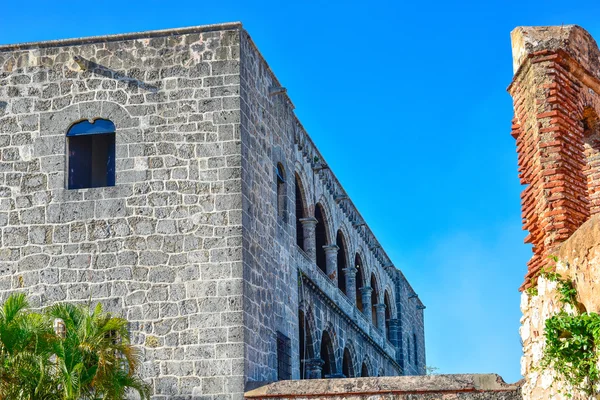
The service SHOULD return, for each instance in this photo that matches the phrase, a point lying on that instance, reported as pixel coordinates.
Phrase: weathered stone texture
(162, 247)
(478, 386)
(556, 92)
(196, 243)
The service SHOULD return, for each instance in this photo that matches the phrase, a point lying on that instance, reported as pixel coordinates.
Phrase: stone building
(166, 175)
(556, 93)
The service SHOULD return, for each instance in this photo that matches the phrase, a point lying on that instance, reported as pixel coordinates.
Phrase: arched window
(321, 238)
(306, 351)
(364, 371)
(347, 367)
(374, 299)
(388, 313)
(359, 281)
(91, 154)
(327, 355)
(591, 135)
(281, 194)
(299, 214)
(341, 261)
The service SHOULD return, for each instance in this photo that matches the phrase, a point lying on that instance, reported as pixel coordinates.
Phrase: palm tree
(26, 344)
(90, 359)
(95, 358)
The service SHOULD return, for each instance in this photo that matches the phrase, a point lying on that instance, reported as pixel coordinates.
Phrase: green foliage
(532, 291)
(93, 361)
(572, 340)
(572, 349)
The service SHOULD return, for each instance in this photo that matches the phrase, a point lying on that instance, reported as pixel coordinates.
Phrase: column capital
(366, 290)
(350, 270)
(308, 221)
(380, 306)
(331, 248)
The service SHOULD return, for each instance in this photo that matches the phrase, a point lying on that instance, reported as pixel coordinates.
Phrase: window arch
(281, 193)
(327, 355)
(341, 261)
(374, 299)
(347, 364)
(91, 154)
(388, 313)
(359, 281)
(300, 207)
(321, 237)
(364, 371)
(306, 343)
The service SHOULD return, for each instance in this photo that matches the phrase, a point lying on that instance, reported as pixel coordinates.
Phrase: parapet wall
(447, 387)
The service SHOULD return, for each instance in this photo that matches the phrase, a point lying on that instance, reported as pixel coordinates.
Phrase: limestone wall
(163, 246)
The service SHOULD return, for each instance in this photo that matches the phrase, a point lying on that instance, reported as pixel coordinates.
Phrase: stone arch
(329, 218)
(307, 337)
(360, 279)
(54, 126)
(342, 259)
(374, 283)
(307, 191)
(328, 345)
(322, 235)
(300, 206)
(349, 361)
(389, 291)
(388, 312)
(367, 367)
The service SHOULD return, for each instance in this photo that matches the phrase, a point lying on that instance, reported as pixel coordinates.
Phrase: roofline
(122, 36)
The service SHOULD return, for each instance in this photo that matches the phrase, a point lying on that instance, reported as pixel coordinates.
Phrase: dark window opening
(359, 282)
(347, 367)
(284, 357)
(364, 371)
(374, 300)
(341, 261)
(91, 152)
(327, 355)
(415, 348)
(388, 313)
(281, 194)
(299, 215)
(320, 238)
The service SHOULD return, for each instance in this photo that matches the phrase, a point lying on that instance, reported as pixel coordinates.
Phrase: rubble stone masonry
(199, 244)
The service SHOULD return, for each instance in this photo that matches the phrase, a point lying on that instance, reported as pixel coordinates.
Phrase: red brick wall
(555, 99)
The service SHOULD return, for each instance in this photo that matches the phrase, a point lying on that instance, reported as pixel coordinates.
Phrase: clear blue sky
(407, 102)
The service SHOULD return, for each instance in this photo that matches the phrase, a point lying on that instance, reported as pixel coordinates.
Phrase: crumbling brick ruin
(166, 175)
(556, 92)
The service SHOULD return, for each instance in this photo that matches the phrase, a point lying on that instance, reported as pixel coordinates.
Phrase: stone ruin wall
(424, 387)
(556, 93)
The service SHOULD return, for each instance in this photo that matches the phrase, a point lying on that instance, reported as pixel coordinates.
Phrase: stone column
(350, 275)
(313, 368)
(310, 246)
(331, 262)
(380, 310)
(365, 292)
(393, 332)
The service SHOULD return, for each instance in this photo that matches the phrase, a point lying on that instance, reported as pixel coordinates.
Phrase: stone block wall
(196, 243)
(163, 247)
(448, 387)
(272, 135)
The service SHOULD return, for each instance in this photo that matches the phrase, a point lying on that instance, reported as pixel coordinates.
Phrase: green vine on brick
(572, 340)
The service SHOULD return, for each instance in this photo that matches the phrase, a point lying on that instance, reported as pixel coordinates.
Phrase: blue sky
(407, 102)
